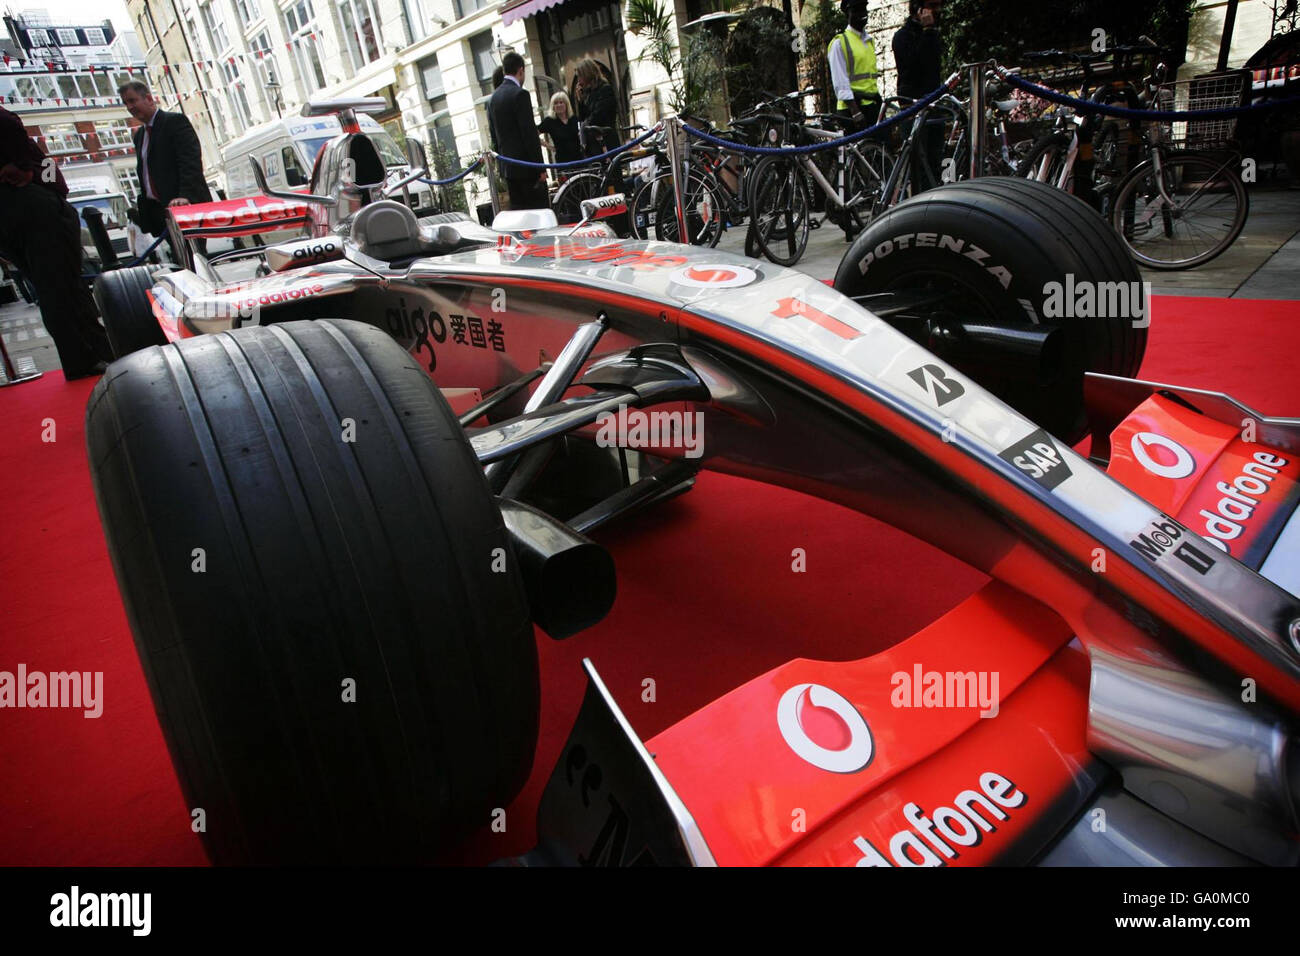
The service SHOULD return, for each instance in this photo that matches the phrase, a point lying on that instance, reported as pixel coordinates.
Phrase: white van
(287, 148)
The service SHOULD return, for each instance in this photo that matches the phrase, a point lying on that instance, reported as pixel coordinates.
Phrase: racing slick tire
(1007, 252)
(123, 299)
(333, 629)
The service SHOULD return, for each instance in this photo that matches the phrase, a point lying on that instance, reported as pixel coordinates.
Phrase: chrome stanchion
(676, 142)
(975, 119)
(490, 165)
(12, 375)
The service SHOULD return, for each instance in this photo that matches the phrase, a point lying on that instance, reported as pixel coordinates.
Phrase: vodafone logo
(1144, 445)
(824, 729)
(714, 276)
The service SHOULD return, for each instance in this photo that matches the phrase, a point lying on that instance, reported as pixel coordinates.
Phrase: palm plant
(692, 68)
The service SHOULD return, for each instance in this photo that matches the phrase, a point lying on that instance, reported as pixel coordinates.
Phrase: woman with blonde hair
(561, 127)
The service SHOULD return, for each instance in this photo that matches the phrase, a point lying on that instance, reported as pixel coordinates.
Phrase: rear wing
(238, 217)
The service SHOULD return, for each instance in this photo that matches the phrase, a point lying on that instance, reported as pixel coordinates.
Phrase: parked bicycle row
(1171, 188)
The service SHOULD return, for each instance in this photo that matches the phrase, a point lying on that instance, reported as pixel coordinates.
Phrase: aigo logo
(1182, 466)
(824, 729)
(714, 275)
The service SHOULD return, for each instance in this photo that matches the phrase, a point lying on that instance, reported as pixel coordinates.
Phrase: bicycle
(605, 178)
(1180, 208)
(782, 206)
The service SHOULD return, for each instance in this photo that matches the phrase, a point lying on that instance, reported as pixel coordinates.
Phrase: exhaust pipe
(569, 579)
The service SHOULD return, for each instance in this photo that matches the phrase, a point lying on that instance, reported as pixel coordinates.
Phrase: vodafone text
(74, 908)
(1240, 499)
(933, 839)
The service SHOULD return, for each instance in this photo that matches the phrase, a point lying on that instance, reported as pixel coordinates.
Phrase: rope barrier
(590, 160)
(453, 179)
(912, 110)
(1108, 109)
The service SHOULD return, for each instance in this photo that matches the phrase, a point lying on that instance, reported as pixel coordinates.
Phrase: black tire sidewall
(123, 300)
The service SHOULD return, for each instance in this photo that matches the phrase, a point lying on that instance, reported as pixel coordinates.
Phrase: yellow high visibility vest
(860, 59)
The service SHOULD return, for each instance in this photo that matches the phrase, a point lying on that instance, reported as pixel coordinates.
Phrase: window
(236, 94)
(294, 175)
(104, 86)
(465, 7)
(113, 134)
(300, 24)
(483, 60)
(445, 157)
(360, 31)
(86, 84)
(248, 11)
(95, 37)
(130, 182)
(266, 62)
(68, 86)
(38, 37)
(417, 18)
(216, 29)
(62, 139)
(67, 37)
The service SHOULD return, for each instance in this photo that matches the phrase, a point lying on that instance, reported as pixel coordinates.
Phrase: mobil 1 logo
(1165, 535)
(1037, 456)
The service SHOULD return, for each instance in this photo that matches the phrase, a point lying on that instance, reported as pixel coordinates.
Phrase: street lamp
(273, 88)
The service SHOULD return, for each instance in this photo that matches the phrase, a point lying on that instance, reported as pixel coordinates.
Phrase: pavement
(1264, 263)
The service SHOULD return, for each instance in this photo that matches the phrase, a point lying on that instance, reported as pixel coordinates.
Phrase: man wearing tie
(168, 158)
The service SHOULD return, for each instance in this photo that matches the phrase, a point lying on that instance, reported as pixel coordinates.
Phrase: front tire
(123, 299)
(321, 592)
(1002, 251)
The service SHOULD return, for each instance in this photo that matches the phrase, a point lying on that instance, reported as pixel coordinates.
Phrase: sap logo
(808, 710)
(1038, 457)
(1182, 466)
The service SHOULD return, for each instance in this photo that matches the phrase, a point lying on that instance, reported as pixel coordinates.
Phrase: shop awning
(518, 9)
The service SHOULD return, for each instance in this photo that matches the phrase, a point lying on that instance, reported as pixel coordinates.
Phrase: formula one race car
(365, 475)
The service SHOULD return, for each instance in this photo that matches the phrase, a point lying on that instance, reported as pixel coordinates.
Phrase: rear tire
(123, 299)
(343, 679)
(997, 245)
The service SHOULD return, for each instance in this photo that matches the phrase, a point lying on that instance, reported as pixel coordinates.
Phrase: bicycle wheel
(869, 169)
(703, 211)
(781, 211)
(568, 201)
(1184, 216)
(1046, 161)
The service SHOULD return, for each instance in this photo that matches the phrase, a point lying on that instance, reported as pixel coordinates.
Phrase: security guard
(852, 59)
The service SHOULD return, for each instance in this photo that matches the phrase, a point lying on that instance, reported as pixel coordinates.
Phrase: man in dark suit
(510, 114)
(168, 158)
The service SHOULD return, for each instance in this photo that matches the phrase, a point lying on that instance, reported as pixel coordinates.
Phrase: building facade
(61, 79)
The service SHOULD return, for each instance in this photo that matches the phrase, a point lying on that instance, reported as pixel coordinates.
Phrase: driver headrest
(385, 229)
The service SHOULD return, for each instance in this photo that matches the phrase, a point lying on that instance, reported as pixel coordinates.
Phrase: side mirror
(601, 207)
(415, 157)
(265, 188)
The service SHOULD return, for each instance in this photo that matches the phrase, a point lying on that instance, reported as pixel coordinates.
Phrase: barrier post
(975, 120)
(12, 375)
(676, 161)
(490, 164)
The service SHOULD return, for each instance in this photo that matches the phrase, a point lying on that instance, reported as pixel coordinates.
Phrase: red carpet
(706, 601)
